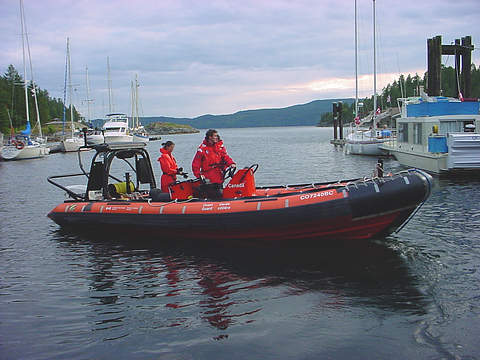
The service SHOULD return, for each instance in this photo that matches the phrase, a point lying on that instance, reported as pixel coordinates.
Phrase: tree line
(12, 103)
(405, 87)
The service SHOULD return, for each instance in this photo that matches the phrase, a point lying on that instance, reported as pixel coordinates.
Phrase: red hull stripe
(205, 207)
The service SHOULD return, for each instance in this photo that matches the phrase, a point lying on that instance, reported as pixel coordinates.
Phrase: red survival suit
(210, 161)
(169, 167)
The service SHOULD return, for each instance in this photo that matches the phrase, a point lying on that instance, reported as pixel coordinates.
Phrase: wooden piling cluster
(462, 50)
(337, 124)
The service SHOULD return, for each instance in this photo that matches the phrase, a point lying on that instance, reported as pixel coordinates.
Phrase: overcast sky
(196, 57)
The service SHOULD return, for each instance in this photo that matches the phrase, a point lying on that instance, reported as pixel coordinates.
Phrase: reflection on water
(228, 285)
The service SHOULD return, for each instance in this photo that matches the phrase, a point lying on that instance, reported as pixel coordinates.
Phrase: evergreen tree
(12, 97)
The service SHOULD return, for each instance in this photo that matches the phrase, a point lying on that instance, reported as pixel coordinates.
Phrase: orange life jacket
(169, 167)
(210, 161)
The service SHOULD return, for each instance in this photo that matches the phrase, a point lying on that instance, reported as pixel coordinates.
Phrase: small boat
(94, 137)
(138, 131)
(367, 141)
(363, 140)
(75, 141)
(438, 134)
(352, 209)
(24, 146)
(72, 144)
(116, 128)
(140, 135)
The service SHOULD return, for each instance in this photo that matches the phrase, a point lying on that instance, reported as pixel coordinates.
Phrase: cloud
(219, 56)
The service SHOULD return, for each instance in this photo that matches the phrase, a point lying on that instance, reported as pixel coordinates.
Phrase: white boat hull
(118, 138)
(140, 138)
(95, 139)
(361, 142)
(433, 163)
(366, 148)
(10, 152)
(72, 144)
(463, 154)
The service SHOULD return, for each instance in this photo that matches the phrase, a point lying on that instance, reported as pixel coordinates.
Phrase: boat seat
(95, 178)
(157, 195)
(144, 173)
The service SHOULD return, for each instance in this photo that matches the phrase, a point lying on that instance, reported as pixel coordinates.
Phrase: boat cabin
(438, 134)
(123, 171)
(117, 170)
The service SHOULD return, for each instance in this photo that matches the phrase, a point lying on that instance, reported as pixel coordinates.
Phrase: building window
(450, 127)
(403, 132)
(417, 133)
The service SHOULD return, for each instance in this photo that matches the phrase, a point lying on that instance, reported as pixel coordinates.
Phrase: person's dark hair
(167, 144)
(210, 132)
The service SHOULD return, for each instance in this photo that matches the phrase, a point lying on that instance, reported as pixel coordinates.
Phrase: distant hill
(296, 115)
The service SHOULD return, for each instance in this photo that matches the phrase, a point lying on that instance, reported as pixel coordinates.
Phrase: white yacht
(437, 134)
(116, 128)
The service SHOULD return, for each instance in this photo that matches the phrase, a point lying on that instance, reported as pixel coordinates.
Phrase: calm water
(414, 295)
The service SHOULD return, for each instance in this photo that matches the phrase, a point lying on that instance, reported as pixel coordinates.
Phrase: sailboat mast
(24, 62)
(70, 86)
(374, 63)
(132, 101)
(356, 62)
(34, 88)
(88, 94)
(65, 97)
(110, 94)
(136, 101)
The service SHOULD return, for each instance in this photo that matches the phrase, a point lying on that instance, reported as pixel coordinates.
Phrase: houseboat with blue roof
(437, 134)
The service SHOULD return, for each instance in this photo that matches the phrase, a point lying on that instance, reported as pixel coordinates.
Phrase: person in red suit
(211, 160)
(168, 164)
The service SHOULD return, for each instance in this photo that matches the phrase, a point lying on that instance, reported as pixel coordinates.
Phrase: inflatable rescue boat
(351, 209)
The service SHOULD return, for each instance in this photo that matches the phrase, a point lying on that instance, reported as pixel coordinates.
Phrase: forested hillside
(296, 115)
(12, 101)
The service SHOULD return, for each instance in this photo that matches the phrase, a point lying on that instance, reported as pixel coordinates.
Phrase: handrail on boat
(69, 192)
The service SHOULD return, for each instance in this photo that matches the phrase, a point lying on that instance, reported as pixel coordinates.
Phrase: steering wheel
(229, 172)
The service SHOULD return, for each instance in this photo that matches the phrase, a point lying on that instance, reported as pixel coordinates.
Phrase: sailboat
(138, 130)
(367, 140)
(23, 145)
(116, 128)
(72, 143)
(94, 136)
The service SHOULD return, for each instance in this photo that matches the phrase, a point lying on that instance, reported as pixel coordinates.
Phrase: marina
(100, 295)
(248, 232)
